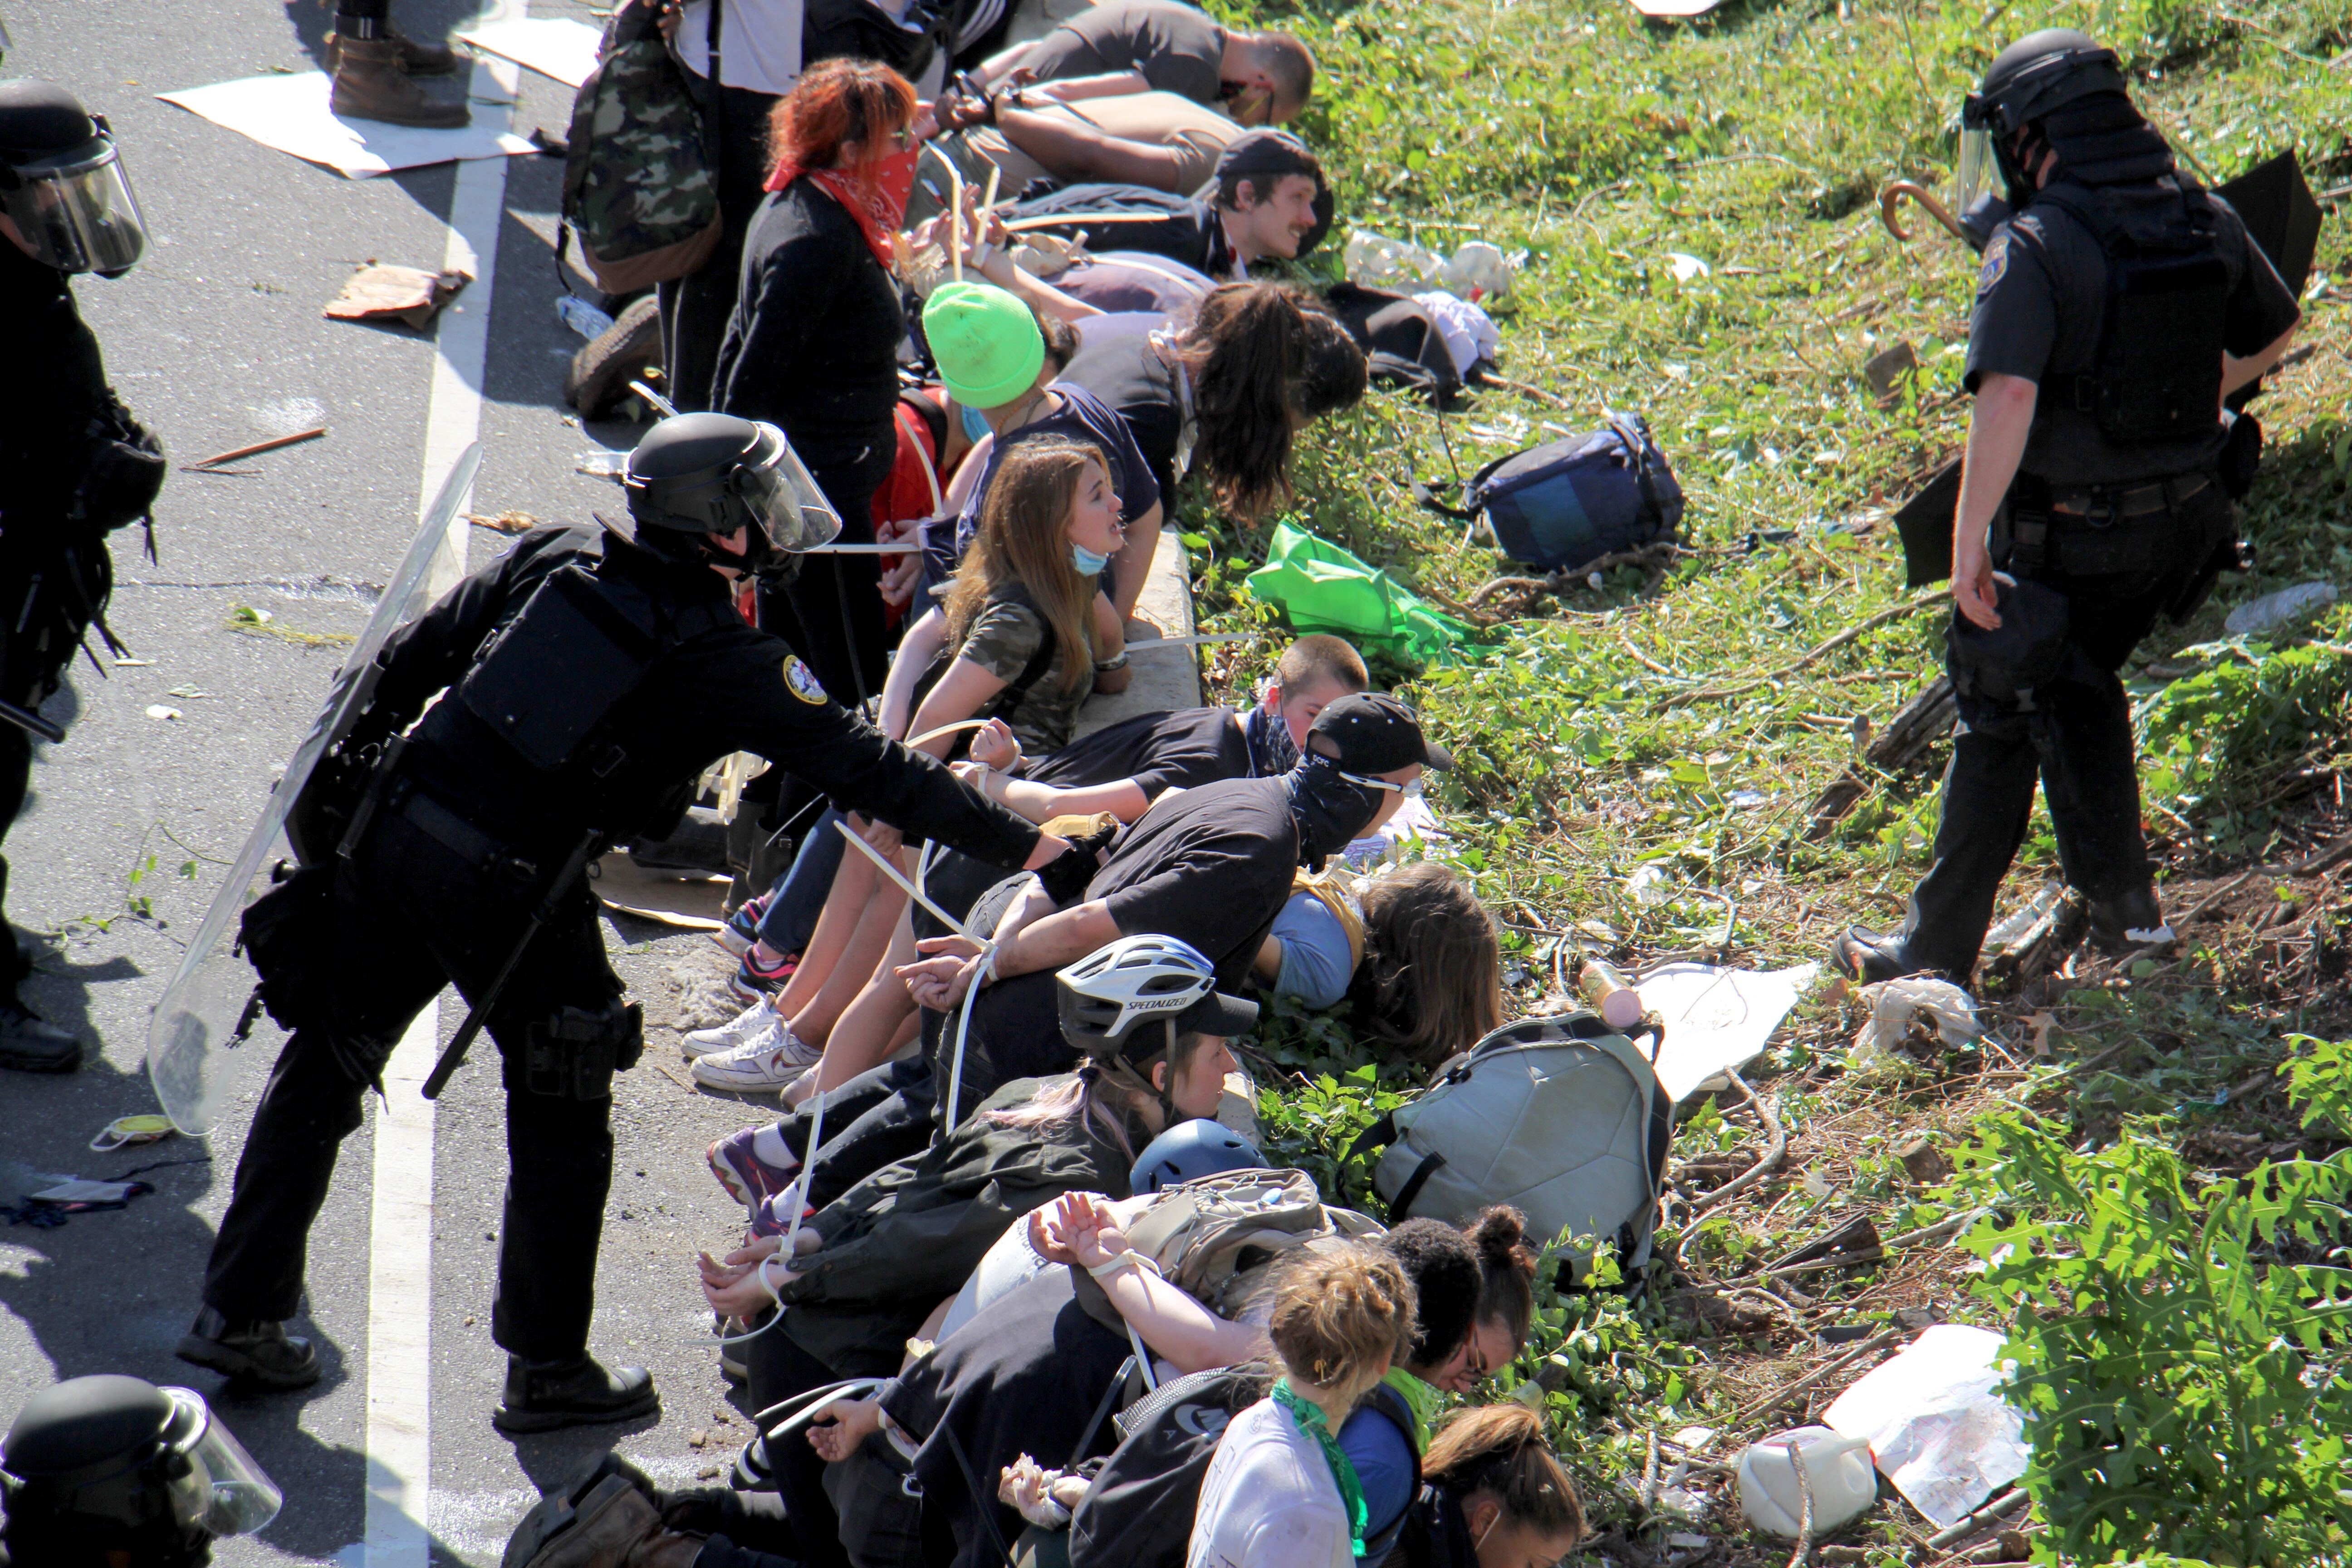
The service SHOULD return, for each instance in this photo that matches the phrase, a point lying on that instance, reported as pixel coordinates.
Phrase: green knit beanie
(985, 342)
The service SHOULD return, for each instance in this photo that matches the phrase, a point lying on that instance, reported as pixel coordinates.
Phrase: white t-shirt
(758, 43)
(1269, 1500)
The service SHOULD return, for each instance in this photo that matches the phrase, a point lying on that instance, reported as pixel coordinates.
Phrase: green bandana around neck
(1309, 1419)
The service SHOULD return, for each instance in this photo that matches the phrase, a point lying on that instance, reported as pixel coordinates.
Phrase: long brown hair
(1500, 1449)
(1025, 538)
(1433, 976)
(1258, 354)
(836, 101)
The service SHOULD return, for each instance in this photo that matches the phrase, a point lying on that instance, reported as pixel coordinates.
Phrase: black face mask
(1272, 752)
(1330, 810)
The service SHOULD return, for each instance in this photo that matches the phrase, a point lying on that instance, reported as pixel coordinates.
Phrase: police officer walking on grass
(589, 679)
(2114, 310)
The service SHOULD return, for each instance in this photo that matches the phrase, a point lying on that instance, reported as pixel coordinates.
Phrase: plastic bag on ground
(1895, 1006)
(1323, 588)
(1837, 1468)
(1936, 1422)
(2275, 610)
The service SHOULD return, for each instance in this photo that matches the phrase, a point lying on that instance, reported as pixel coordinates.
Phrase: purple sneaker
(743, 927)
(749, 1179)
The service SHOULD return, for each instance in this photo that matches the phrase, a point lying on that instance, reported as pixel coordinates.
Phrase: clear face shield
(785, 502)
(222, 1490)
(74, 210)
(1977, 174)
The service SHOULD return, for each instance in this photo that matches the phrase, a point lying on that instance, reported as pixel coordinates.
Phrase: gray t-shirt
(1177, 49)
(2042, 297)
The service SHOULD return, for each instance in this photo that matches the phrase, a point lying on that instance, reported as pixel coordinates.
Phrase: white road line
(400, 1243)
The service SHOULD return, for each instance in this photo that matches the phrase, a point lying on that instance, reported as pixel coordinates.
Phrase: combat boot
(543, 1396)
(1867, 956)
(30, 1043)
(372, 83)
(263, 1353)
(2132, 923)
(416, 58)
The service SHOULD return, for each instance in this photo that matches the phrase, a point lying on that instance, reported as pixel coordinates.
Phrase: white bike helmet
(1141, 978)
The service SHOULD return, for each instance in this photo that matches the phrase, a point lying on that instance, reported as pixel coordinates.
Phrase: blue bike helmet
(1189, 1151)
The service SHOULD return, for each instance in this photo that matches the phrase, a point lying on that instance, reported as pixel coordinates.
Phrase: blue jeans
(799, 895)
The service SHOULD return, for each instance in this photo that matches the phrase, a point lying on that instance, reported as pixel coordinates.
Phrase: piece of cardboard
(1674, 10)
(1716, 1018)
(291, 114)
(554, 46)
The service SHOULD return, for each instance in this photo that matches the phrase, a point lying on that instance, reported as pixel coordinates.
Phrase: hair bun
(1498, 1234)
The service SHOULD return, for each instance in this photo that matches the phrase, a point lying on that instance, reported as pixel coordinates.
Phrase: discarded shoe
(749, 1179)
(373, 83)
(755, 979)
(261, 1353)
(767, 1065)
(614, 1526)
(755, 1021)
(573, 1393)
(560, 1510)
(416, 58)
(30, 1043)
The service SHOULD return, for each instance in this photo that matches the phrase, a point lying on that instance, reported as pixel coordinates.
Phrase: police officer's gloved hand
(1066, 876)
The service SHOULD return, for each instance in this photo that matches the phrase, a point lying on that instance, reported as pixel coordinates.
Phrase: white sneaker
(767, 1064)
(740, 1030)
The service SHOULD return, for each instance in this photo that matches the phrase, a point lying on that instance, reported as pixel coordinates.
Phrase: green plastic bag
(1323, 588)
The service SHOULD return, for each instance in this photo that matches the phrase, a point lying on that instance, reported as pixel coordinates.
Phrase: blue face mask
(1088, 563)
(975, 427)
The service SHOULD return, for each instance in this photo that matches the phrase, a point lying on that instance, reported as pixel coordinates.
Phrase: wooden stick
(258, 447)
(1754, 1173)
(1814, 1378)
(1839, 641)
(1070, 220)
(1802, 1556)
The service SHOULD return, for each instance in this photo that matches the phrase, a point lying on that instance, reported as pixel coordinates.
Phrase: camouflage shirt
(1003, 641)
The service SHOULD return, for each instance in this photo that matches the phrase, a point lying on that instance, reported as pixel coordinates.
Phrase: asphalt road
(216, 340)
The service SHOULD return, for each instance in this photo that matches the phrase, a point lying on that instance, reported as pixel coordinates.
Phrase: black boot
(542, 1397)
(2132, 923)
(1867, 957)
(30, 1043)
(262, 1354)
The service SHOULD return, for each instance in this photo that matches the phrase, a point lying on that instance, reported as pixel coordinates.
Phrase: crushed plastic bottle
(1837, 1468)
(1477, 271)
(1377, 261)
(582, 317)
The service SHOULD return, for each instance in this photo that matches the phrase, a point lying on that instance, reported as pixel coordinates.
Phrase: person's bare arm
(1132, 565)
(1998, 426)
(958, 696)
(1074, 151)
(1028, 941)
(1111, 84)
(1123, 798)
(916, 650)
(1033, 292)
(2236, 372)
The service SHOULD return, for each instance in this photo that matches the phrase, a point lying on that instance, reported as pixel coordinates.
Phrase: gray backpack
(1561, 1117)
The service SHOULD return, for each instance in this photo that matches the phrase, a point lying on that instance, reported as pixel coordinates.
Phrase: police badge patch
(1996, 263)
(800, 682)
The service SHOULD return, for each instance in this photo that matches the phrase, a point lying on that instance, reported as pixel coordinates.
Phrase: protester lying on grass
(1142, 46)
(1229, 392)
(1026, 641)
(1279, 1492)
(869, 1269)
(1161, 139)
(1493, 1496)
(1414, 950)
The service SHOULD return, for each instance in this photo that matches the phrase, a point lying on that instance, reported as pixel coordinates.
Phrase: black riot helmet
(703, 474)
(2055, 91)
(107, 1464)
(61, 182)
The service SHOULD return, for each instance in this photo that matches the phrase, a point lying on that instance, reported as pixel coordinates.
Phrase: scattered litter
(582, 317)
(1901, 1011)
(1376, 261)
(124, 661)
(505, 522)
(291, 114)
(1936, 1423)
(1621, 1006)
(1647, 887)
(1837, 1466)
(81, 1190)
(189, 693)
(553, 47)
(1414, 821)
(1717, 1020)
(1693, 1439)
(43, 1199)
(1674, 10)
(1469, 332)
(405, 294)
(2274, 610)
(601, 464)
(157, 711)
(272, 445)
(1686, 267)
(125, 1132)
(246, 621)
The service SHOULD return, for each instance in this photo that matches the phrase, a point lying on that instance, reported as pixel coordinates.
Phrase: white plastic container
(1843, 1481)
(1376, 261)
(1478, 272)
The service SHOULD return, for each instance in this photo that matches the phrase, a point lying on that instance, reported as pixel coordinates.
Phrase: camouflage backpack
(639, 186)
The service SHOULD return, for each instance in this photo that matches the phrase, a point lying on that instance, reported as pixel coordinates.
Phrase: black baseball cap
(1378, 734)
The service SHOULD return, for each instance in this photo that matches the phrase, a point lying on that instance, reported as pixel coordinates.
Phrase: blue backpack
(1566, 503)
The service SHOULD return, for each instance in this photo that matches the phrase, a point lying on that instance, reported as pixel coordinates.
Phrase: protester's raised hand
(995, 746)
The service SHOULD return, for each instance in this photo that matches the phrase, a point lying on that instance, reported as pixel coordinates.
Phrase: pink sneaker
(749, 1179)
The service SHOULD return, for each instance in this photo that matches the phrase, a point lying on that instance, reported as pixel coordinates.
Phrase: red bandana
(874, 194)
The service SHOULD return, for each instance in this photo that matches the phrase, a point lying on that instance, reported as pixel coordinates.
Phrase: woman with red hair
(813, 345)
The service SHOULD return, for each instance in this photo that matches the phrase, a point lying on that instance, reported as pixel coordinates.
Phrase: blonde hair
(1025, 538)
(1085, 1095)
(1500, 1449)
(1342, 1316)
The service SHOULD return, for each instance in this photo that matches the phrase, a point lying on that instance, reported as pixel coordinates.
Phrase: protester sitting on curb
(901, 1239)
(1143, 45)
(1228, 394)
(1415, 950)
(1492, 1495)
(1027, 642)
(1279, 1491)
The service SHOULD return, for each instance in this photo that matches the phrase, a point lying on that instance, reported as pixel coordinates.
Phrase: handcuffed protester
(2115, 312)
(1142, 46)
(74, 464)
(590, 677)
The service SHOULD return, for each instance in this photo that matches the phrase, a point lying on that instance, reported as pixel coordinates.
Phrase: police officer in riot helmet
(74, 465)
(591, 677)
(2117, 305)
(111, 1472)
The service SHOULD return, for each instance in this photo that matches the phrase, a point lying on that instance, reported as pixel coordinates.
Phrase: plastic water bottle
(582, 317)
(1619, 1005)
(1377, 261)
(1477, 271)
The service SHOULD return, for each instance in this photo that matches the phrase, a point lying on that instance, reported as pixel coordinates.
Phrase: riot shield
(193, 1060)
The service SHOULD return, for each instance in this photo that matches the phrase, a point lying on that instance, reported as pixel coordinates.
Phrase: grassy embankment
(1671, 719)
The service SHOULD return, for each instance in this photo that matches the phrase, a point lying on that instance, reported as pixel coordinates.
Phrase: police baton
(455, 1056)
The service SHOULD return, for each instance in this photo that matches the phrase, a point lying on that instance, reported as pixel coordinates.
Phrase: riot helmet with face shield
(103, 1464)
(62, 189)
(704, 476)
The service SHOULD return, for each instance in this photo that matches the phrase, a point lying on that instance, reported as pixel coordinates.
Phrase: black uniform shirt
(732, 689)
(2041, 295)
(1213, 866)
(1139, 379)
(56, 383)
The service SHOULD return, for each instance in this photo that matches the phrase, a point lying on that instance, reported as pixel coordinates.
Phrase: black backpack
(1401, 344)
(1567, 503)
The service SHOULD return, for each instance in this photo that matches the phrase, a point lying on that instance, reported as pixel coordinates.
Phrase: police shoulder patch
(1996, 262)
(801, 681)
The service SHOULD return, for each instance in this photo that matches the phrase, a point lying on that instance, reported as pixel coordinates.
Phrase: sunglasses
(1410, 791)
